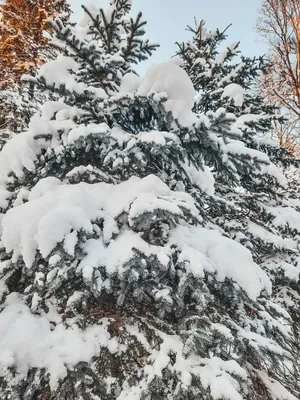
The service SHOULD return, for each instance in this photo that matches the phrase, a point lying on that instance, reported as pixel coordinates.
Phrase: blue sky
(167, 20)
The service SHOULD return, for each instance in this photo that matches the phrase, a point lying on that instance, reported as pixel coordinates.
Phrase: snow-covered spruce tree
(223, 79)
(211, 69)
(262, 218)
(118, 277)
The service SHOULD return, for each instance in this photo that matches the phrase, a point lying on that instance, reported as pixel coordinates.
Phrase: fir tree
(223, 79)
(262, 217)
(125, 223)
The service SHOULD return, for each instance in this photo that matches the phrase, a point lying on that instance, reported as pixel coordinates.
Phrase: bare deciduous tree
(279, 23)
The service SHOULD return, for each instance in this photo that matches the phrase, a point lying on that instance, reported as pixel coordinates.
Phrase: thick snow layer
(167, 80)
(117, 254)
(158, 137)
(56, 209)
(204, 179)
(170, 79)
(258, 341)
(244, 120)
(276, 390)
(266, 236)
(285, 216)
(272, 170)
(130, 83)
(259, 232)
(18, 153)
(21, 151)
(214, 373)
(223, 256)
(238, 148)
(85, 130)
(201, 250)
(64, 65)
(235, 92)
(217, 376)
(29, 341)
(289, 271)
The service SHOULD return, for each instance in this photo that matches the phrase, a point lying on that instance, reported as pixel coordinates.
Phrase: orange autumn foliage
(23, 40)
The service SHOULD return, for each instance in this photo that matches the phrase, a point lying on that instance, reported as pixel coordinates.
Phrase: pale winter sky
(167, 20)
